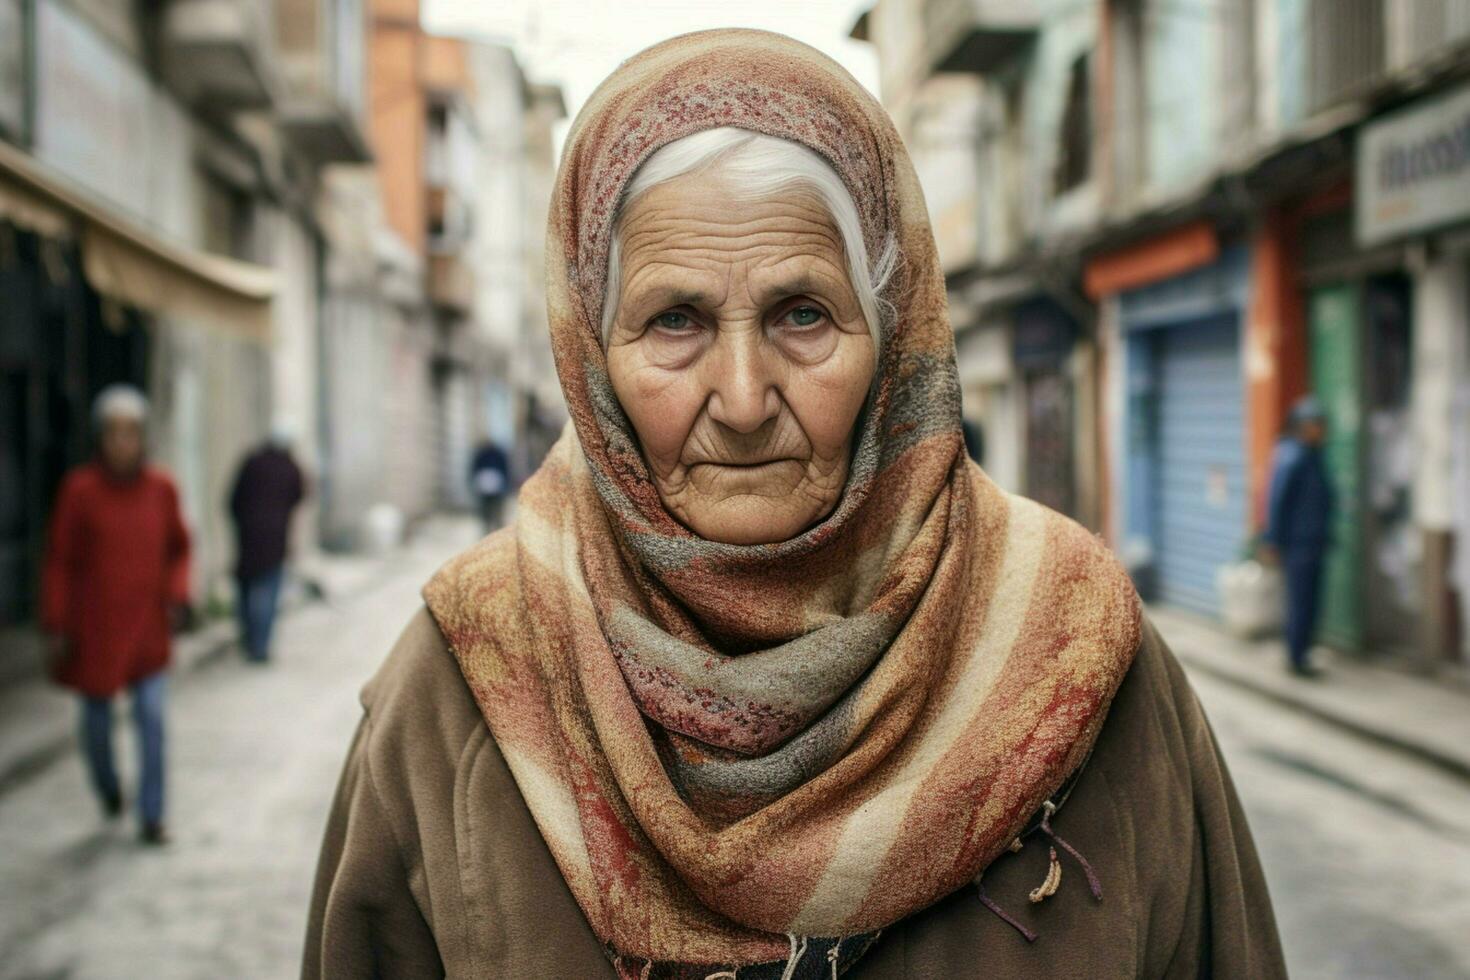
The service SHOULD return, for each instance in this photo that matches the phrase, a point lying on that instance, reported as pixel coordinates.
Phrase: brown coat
(432, 865)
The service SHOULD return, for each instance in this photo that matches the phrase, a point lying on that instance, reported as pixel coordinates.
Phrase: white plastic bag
(1252, 598)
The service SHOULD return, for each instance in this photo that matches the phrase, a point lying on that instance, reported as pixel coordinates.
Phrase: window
(1074, 156)
(228, 217)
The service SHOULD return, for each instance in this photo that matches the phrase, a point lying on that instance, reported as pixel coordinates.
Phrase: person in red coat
(116, 581)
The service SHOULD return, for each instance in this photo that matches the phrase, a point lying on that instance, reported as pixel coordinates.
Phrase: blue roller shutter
(1200, 496)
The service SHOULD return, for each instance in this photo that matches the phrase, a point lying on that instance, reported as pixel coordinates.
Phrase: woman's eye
(804, 316)
(672, 320)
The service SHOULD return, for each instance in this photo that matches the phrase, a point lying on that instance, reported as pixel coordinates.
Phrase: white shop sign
(1413, 169)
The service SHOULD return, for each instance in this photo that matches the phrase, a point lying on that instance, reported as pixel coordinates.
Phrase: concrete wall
(104, 123)
(1069, 30)
(501, 227)
(296, 363)
(211, 405)
(1181, 79)
(986, 148)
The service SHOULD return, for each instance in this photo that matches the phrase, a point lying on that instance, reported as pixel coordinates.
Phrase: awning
(131, 265)
(1173, 253)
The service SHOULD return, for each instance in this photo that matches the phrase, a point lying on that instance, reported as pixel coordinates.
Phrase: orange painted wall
(442, 65)
(397, 119)
(407, 65)
(1169, 254)
(404, 11)
(1275, 347)
(1277, 365)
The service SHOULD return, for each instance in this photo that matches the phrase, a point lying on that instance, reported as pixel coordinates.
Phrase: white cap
(121, 402)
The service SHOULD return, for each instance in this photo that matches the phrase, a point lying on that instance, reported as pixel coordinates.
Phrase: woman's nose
(743, 393)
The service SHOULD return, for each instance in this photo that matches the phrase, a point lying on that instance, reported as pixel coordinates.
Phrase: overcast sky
(577, 43)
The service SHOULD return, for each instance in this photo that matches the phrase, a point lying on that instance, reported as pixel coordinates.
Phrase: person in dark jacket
(1298, 530)
(267, 490)
(490, 481)
(116, 581)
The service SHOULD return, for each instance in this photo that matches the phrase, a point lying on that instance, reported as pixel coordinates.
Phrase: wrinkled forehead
(776, 86)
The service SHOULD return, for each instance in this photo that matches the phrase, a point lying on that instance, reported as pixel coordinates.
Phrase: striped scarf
(745, 755)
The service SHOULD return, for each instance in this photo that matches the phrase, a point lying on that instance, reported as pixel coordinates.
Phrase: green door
(1337, 369)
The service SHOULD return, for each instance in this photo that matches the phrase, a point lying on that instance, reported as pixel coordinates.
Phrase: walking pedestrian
(1299, 524)
(116, 581)
(267, 490)
(490, 480)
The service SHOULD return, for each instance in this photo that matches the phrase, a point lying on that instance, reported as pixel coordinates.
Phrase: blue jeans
(258, 598)
(148, 699)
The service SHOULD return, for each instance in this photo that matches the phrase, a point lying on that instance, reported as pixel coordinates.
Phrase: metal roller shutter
(1200, 495)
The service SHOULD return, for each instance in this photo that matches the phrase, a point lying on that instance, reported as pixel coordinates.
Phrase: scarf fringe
(1093, 883)
(1050, 884)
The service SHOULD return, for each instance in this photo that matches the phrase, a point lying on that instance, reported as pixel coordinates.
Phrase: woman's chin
(749, 519)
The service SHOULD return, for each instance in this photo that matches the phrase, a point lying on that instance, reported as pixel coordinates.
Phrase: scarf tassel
(1001, 913)
(1053, 880)
(1049, 808)
(1048, 888)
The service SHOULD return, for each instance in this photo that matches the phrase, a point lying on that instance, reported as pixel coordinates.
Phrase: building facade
(301, 214)
(464, 166)
(158, 172)
(1198, 219)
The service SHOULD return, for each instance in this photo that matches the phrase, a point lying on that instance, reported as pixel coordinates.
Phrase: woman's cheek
(663, 407)
(828, 397)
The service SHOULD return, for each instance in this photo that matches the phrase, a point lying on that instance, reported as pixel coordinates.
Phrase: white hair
(759, 166)
(282, 433)
(120, 402)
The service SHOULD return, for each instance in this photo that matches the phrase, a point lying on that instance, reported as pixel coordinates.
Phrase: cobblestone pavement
(1367, 851)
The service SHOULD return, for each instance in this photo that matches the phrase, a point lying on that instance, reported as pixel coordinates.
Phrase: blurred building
(158, 173)
(455, 124)
(263, 211)
(1161, 222)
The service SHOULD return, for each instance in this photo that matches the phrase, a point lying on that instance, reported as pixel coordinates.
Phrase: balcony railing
(451, 282)
(219, 52)
(324, 79)
(1347, 50)
(977, 35)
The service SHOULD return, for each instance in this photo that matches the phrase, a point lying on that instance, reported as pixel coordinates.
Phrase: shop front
(1397, 309)
(1360, 354)
(90, 299)
(1187, 502)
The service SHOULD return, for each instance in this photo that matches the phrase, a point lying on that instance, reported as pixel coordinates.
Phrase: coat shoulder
(421, 730)
(419, 686)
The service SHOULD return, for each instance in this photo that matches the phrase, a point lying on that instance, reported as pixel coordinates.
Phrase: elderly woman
(767, 677)
(115, 582)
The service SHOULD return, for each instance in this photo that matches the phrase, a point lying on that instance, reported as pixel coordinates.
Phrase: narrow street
(1367, 850)
(254, 758)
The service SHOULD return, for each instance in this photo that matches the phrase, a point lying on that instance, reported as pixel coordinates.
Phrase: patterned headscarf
(736, 753)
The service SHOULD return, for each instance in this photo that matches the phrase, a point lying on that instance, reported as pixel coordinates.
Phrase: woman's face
(741, 356)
